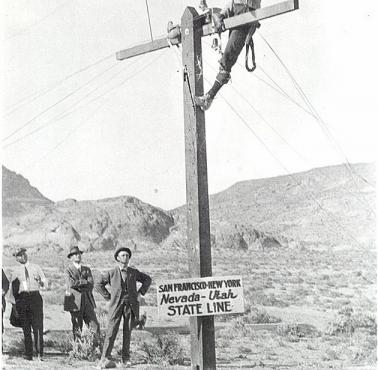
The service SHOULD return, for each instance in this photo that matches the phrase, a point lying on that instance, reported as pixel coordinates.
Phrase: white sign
(200, 296)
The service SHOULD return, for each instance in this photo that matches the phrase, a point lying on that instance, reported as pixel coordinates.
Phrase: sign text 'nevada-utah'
(200, 296)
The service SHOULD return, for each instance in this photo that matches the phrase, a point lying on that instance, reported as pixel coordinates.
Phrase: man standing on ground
(79, 292)
(124, 302)
(27, 280)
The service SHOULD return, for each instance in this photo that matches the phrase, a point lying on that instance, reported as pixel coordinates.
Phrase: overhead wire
(95, 110)
(149, 20)
(276, 87)
(325, 129)
(69, 112)
(60, 143)
(37, 22)
(283, 92)
(282, 164)
(30, 121)
(39, 94)
(278, 90)
(311, 110)
(350, 235)
(242, 96)
(321, 122)
(94, 99)
(304, 158)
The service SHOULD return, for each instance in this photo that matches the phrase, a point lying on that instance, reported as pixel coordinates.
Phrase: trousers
(85, 314)
(123, 310)
(235, 44)
(29, 306)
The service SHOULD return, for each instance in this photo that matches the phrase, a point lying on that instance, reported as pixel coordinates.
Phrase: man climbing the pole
(236, 40)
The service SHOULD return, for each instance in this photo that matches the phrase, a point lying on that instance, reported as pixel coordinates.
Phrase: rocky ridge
(322, 207)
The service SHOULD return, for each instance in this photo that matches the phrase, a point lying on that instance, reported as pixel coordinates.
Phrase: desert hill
(324, 207)
(18, 195)
(31, 220)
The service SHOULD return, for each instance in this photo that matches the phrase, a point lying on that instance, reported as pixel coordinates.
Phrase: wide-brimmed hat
(119, 249)
(74, 250)
(19, 251)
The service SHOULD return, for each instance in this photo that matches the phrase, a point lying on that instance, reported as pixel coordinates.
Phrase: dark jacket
(80, 284)
(113, 278)
(5, 286)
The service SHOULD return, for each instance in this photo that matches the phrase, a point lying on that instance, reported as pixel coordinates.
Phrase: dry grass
(278, 284)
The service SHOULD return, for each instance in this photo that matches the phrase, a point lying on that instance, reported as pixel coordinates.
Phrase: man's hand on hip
(139, 297)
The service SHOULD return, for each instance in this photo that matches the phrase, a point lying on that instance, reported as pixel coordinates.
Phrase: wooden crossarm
(142, 49)
(207, 29)
(257, 15)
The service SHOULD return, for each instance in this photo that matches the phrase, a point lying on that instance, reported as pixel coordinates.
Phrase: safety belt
(249, 45)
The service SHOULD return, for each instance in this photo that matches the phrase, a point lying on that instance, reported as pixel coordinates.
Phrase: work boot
(126, 363)
(204, 101)
(107, 363)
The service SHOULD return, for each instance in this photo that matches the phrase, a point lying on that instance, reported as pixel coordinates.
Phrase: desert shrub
(238, 328)
(312, 347)
(256, 316)
(164, 350)
(62, 344)
(244, 349)
(344, 323)
(300, 293)
(263, 317)
(364, 348)
(347, 322)
(295, 332)
(16, 348)
(85, 348)
(324, 277)
(330, 355)
(272, 300)
(366, 322)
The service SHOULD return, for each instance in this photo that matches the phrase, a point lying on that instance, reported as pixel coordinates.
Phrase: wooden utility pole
(197, 198)
(193, 28)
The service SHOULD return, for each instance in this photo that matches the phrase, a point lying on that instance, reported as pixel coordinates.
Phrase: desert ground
(319, 305)
(304, 244)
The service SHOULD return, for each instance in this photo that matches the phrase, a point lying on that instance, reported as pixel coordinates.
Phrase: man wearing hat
(27, 280)
(79, 300)
(124, 300)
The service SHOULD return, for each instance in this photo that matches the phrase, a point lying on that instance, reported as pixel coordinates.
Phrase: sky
(79, 124)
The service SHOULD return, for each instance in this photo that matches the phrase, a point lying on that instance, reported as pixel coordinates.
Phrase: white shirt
(77, 265)
(34, 271)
